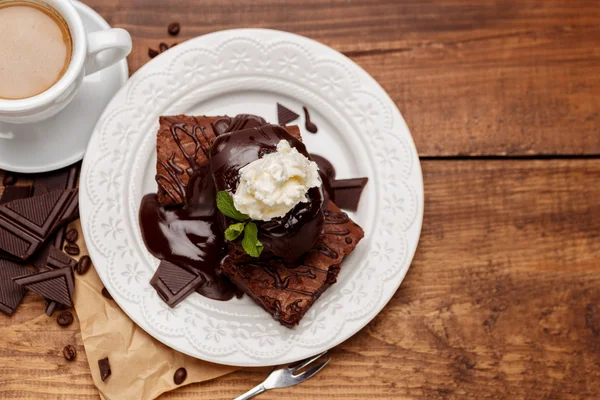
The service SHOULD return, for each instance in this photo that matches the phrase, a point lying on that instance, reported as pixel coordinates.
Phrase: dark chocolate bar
(25, 224)
(11, 294)
(11, 193)
(56, 285)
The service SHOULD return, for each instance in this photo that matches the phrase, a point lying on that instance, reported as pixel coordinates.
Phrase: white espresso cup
(90, 53)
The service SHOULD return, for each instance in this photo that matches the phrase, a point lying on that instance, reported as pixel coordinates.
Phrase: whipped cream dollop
(274, 184)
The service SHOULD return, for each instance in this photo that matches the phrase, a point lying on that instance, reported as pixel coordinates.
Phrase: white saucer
(62, 140)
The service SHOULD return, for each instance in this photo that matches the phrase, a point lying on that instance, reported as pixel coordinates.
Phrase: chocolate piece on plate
(285, 115)
(173, 283)
(104, 366)
(309, 125)
(55, 285)
(287, 293)
(27, 223)
(347, 192)
(11, 294)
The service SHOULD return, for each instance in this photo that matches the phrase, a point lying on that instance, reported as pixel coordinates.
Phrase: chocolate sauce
(309, 125)
(190, 236)
(237, 123)
(292, 235)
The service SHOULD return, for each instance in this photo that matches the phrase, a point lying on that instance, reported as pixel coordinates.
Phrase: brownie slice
(183, 143)
(287, 293)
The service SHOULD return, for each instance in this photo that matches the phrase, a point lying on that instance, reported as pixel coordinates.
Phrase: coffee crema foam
(35, 48)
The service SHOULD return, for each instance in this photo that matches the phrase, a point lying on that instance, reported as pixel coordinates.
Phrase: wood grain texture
(471, 77)
(502, 302)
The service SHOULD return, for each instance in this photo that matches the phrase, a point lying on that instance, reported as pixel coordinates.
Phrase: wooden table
(503, 298)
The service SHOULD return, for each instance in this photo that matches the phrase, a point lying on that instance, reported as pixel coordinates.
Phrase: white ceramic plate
(248, 71)
(62, 139)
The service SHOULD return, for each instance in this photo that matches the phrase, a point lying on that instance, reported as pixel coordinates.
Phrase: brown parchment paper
(142, 367)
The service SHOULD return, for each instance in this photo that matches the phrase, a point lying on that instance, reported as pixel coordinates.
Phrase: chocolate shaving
(347, 192)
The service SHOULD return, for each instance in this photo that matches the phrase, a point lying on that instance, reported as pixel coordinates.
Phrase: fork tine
(301, 364)
(309, 374)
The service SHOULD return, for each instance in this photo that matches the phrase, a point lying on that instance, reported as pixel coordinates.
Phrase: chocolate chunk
(152, 53)
(9, 179)
(51, 306)
(11, 294)
(174, 28)
(25, 224)
(162, 47)
(173, 283)
(62, 179)
(11, 193)
(104, 366)
(106, 294)
(69, 353)
(56, 285)
(180, 376)
(347, 192)
(83, 265)
(285, 115)
(71, 235)
(309, 125)
(65, 318)
(72, 249)
(50, 257)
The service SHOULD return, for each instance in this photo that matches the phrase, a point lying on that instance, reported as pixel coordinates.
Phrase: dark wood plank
(502, 302)
(471, 77)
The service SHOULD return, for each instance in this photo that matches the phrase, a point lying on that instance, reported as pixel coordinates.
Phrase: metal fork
(285, 376)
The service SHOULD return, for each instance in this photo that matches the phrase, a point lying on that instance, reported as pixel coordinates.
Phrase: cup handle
(105, 48)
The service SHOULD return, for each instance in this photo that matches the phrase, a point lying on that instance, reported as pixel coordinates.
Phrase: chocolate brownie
(182, 146)
(287, 293)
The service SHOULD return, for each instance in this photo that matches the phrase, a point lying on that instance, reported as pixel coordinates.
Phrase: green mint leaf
(250, 242)
(234, 230)
(226, 206)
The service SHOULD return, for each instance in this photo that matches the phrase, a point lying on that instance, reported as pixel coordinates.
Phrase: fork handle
(252, 392)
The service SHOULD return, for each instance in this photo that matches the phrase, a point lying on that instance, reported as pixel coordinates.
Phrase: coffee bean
(104, 366)
(152, 53)
(9, 180)
(163, 47)
(71, 235)
(72, 249)
(83, 265)
(106, 294)
(348, 240)
(174, 28)
(69, 352)
(180, 376)
(65, 318)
